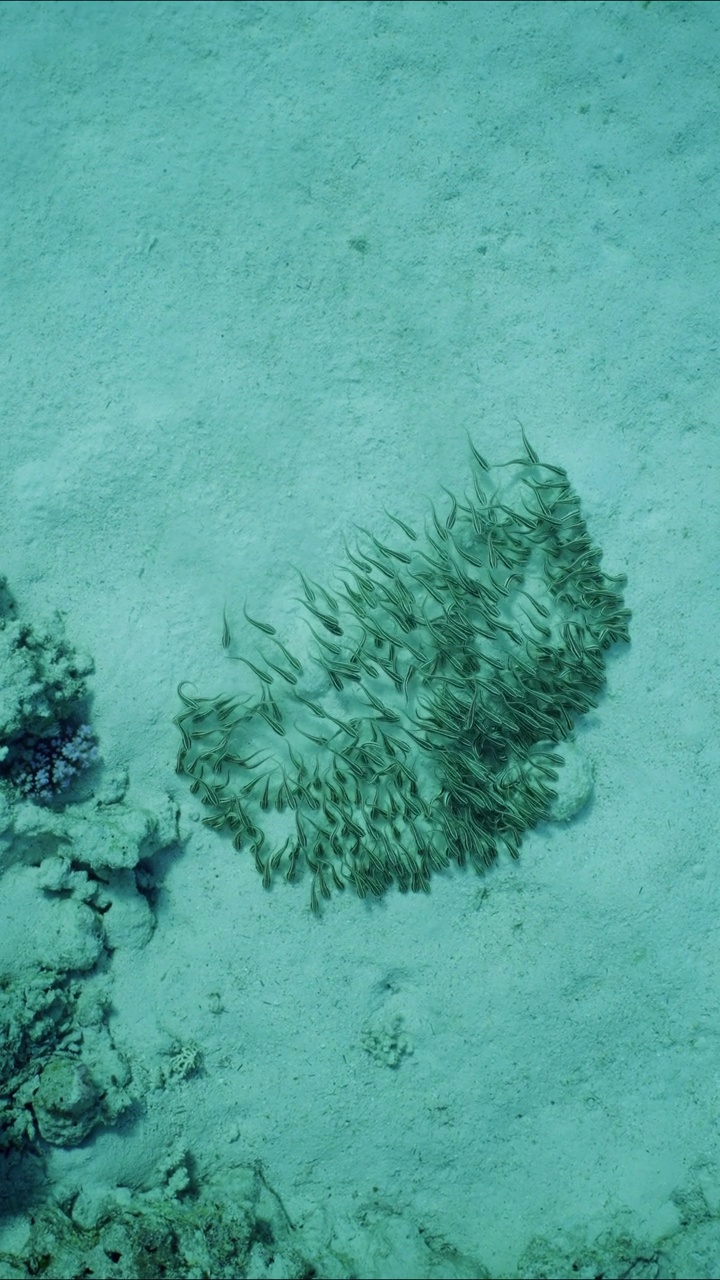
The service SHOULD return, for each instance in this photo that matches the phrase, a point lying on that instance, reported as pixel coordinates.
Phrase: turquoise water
(266, 267)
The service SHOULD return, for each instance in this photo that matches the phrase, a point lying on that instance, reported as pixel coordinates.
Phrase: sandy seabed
(265, 266)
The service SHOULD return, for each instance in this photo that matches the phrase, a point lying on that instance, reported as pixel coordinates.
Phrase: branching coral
(42, 768)
(452, 663)
(44, 743)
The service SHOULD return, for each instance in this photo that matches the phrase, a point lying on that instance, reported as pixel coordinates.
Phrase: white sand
(264, 265)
